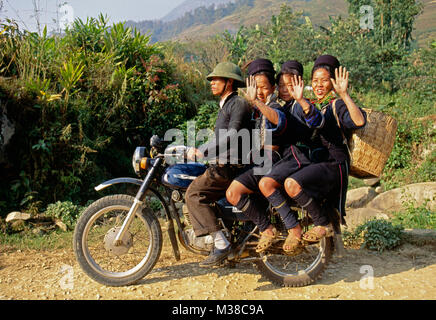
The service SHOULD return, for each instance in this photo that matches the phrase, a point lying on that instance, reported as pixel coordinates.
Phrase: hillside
(189, 26)
(426, 23)
(317, 10)
(190, 5)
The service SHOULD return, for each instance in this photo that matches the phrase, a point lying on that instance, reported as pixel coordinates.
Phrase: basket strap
(344, 138)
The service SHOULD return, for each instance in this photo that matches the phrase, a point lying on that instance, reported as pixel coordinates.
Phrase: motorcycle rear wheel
(93, 241)
(296, 271)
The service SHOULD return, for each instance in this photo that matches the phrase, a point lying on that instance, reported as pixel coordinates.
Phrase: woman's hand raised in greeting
(296, 89)
(341, 83)
(341, 86)
(251, 92)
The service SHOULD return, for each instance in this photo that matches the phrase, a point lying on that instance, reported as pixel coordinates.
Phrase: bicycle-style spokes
(101, 232)
(117, 262)
(298, 270)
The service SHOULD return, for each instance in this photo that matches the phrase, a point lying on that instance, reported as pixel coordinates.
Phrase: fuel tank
(180, 176)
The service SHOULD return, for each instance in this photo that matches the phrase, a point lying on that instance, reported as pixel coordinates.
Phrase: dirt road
(406, 273)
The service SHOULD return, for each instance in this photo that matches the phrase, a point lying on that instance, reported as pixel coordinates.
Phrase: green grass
(354, 183)
(415, 218)
(28, 240)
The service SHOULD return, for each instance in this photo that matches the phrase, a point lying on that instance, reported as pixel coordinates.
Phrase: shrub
(84, 101)
(66, 211)
(379, 235)
(205, 119)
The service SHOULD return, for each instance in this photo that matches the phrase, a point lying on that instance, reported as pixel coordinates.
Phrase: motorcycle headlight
(138, 157)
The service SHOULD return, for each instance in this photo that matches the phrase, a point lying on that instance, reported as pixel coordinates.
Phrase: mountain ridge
(190, 5)
(257, 12)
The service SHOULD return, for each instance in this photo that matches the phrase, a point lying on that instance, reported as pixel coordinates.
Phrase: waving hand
(297, 88)
(341, 83)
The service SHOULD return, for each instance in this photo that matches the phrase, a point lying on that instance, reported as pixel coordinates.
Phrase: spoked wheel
(95, 232)
(296, 271)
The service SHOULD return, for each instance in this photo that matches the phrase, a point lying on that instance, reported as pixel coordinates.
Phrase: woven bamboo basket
(372, 145)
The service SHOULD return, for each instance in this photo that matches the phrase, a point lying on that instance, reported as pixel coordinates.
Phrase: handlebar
(177, 149)
(174, 152)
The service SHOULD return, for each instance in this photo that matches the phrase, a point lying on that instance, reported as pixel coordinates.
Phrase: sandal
(315, 234)
(266, 240)
(292, 246)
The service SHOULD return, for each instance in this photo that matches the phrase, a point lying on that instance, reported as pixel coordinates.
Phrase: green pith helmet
(228, 70)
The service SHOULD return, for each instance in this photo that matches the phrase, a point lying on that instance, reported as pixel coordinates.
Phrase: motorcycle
(118, 238)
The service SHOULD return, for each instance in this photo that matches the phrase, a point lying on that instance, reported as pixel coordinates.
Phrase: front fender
(109, 183)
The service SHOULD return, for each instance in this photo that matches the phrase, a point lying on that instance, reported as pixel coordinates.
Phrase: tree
(275, 39)
(237, 45)
(393, 19)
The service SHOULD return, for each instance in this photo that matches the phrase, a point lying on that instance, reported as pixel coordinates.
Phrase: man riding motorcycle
(234, 115)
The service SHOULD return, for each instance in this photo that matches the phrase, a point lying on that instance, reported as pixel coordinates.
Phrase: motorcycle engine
(199, 243)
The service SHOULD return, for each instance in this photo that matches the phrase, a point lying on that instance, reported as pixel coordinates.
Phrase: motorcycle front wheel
(296, 271)
(95, 233)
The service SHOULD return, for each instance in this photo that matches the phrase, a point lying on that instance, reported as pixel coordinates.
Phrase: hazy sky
(116, 10)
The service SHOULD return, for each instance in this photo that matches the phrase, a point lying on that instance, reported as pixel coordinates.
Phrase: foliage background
(82, 103)
(83, 100)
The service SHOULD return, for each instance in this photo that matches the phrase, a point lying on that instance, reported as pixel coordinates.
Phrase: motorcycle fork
(137, 203)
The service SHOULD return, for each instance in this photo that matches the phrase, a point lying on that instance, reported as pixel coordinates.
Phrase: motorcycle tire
(297, 271)
(93, 241)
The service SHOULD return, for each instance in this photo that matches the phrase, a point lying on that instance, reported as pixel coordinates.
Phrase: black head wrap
(288, 67)
(260, 65)
(328, 62)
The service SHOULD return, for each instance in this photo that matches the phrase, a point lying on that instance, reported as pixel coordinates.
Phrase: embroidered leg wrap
(280, 202)
(315, 211)
(255, 209)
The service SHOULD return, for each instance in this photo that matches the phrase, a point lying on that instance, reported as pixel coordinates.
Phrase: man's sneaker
(216, 257)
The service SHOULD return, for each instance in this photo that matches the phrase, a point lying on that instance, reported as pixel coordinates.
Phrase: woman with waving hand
(327, 176)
